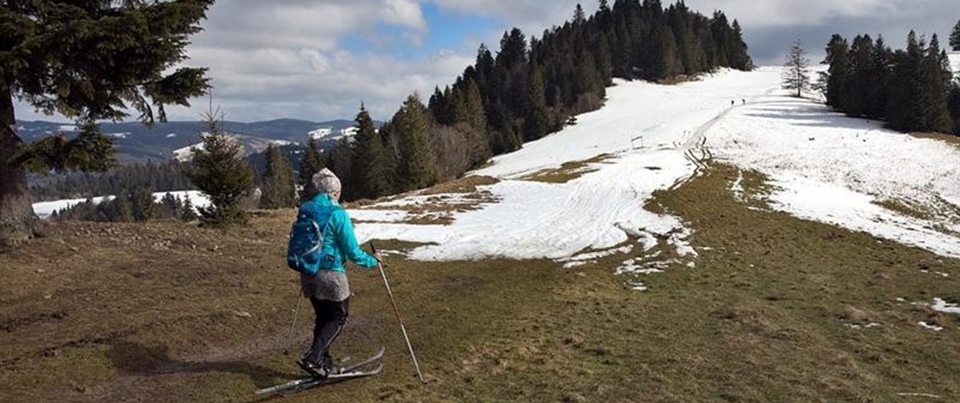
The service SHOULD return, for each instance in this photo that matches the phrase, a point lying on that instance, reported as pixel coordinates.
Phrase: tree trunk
(17, 221)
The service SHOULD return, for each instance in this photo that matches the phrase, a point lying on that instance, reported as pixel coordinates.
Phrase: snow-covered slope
(830, 167)
(45, 209)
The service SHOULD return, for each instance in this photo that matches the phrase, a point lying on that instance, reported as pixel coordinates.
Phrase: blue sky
(448, 30)
(319, 59)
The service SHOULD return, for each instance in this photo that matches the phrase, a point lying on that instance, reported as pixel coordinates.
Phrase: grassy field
(776, 309)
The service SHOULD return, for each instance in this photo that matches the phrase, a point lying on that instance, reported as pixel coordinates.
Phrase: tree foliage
(955, 37)
(279, 189)
(796, 72)
(89, 61)
(219, 170)
(912, 89)
(535, 83)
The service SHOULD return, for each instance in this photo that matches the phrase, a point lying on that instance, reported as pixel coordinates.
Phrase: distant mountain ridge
(136, 142)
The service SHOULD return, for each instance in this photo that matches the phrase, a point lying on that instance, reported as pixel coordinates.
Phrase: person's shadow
(136, 359)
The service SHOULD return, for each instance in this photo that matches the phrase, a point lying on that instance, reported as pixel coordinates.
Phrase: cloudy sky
(319, 59)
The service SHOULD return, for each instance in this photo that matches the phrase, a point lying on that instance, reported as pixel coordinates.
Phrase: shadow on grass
(137, 359)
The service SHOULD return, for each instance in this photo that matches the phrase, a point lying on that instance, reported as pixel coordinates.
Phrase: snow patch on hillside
(45, 209)
(603, 208)
(328, 133)
(844, 171)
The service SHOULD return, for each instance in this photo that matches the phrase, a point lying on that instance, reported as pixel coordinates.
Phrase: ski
(373, 358)
(307, 383)
(345, 373)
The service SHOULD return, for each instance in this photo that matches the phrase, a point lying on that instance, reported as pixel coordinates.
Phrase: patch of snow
(588, 257)
(379, 215)
(321, 133)
(171, 135)
(929, 327)
(186, 153)
(943, 306)
(852, 165)
(45, 209)
(121, 135)
(602, 208)
(67, 128)
(826, 167)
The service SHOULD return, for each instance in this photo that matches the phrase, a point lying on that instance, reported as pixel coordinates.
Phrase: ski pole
(296, 312)
(397, 311)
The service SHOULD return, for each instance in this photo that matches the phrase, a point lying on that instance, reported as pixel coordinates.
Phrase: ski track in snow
(828, 168)
(601, 209)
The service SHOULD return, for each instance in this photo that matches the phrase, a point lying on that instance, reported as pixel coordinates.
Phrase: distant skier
(328, 290)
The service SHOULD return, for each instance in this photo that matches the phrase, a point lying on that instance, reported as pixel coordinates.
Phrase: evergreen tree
(311, 163)
(796, 75)
(90, 61)
(369, 159)
(170, 206)
(189, 213)
(536, 121)
(863, 81)
(955, 37)
(417, 169)
(219, 170)
(279, 189)
(513, 49)
(881, 70)
(904, 109)
(143, 205)
(578, 16)
(340, 161)
(838, 70)
(935, 81)
(122, 210)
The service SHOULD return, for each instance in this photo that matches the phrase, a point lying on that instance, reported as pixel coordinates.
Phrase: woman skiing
(328, 290)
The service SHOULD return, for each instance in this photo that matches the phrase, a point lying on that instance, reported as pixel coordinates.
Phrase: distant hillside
(138, 143)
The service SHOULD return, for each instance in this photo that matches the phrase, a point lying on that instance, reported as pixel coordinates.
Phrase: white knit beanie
(326, 181)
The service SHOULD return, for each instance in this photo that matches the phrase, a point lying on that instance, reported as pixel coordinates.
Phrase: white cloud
(759, 14)
(289, 58)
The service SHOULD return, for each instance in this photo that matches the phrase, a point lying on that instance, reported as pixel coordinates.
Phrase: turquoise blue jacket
(339, 240)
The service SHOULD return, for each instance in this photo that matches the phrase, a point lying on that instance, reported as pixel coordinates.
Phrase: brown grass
(157, 312)
(567, 172)
(946, 138)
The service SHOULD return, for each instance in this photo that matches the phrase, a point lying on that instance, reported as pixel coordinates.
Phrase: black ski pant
(331, 316)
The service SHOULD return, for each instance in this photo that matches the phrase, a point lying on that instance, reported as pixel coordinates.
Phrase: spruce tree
(881, 70)
(311, 163)
(340, 161)
(796, 76)
(279, 189)
(536, 121)
(578, 16)
(143, 205)
(417, 168)
(90, 61)
(955, 37)
(122, 210)
(189, 213)
(219, 170)
(838, 71)
(369, 160)
(904, 108)
(935, 86)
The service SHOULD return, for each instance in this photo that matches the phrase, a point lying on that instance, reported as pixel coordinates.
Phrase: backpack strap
(319, 239)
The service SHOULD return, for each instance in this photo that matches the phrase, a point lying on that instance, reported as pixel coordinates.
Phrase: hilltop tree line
(163, 176)
(530, 88)
(910, 89)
